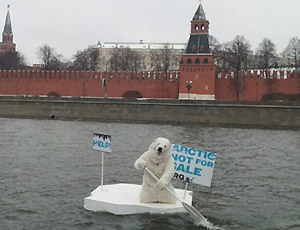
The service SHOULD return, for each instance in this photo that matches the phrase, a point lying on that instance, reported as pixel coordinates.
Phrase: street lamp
(188, 87)
(104, 85)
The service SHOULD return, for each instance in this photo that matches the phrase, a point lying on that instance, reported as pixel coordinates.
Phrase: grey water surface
(48, 167)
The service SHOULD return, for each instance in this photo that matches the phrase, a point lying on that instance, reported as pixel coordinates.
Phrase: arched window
(197, 61)
(202, 27)
(189, 61)
(196, 27)
(205, 61)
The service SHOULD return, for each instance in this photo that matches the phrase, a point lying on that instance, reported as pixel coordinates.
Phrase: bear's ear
(153, 145)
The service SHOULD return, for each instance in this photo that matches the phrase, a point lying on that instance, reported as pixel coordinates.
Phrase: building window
(189, 61)
(202, 27)
(205, 61)
(197, 61)
(196, 27)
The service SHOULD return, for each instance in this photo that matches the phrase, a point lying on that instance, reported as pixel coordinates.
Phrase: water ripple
(47, 167)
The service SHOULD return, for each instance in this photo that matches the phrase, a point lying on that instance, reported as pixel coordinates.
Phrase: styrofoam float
(123, 199)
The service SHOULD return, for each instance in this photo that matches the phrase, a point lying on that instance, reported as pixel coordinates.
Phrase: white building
(145, 51)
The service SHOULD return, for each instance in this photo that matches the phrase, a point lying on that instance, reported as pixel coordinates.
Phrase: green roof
(198, 44)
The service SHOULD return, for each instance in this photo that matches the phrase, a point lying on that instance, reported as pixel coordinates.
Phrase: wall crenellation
(89, 75)
(254, 86)
(257, 85)
(89, 83)
(269, 74)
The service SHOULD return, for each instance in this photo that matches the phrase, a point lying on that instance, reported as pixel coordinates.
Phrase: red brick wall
(256, 84)
(7, 47)
(149, 84)
(196, 26)
(79, 83)
(202, 77)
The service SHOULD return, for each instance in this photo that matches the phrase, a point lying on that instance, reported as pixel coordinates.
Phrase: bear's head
(160, 147)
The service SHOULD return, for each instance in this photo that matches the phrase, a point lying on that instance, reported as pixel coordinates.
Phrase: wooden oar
(199, 219)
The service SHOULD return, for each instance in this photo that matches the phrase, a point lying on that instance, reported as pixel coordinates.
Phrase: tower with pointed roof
(7, 44)
(197, 77)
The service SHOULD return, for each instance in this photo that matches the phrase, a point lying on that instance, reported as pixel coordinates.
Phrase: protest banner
(194, 165)
(102, 142)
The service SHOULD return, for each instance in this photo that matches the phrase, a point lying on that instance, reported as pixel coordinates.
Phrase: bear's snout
(159, 150)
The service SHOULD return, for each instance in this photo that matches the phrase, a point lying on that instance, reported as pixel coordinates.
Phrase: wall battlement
(254, 85)
(257, 85)
(89, 83)
(269, 74)
(89, 75)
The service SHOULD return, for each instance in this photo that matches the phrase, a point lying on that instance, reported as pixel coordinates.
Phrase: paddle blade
(199, 219)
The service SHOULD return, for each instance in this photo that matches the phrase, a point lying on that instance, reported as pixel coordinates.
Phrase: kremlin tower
(197, 78)
(7, 44)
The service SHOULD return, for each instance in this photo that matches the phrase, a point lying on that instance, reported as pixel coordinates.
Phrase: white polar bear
(157, 159)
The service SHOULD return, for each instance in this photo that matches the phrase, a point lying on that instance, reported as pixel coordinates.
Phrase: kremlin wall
(90, 84)
(258, 86)
(225, 85)
(197, 72)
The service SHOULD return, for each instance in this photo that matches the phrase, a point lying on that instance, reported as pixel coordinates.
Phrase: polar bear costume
(157, 159)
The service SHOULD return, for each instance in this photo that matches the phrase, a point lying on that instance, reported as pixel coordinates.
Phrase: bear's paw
(140, 164)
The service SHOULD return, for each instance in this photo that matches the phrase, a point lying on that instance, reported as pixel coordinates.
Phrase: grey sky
(70, 25)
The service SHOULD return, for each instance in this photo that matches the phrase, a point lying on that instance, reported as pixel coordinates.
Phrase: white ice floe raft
(123, 199)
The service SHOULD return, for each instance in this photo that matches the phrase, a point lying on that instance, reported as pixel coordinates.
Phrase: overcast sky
(70, 25)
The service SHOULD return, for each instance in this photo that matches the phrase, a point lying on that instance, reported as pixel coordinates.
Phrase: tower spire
(199, 15)
(198, 42)
(7, 28)
(7, 44)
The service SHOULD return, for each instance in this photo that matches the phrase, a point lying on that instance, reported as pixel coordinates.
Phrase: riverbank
(217, 113)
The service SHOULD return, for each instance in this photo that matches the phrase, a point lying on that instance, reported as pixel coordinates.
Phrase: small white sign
(102, 142)
(194, 165)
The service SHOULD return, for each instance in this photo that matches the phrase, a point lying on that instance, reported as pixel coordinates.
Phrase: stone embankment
(216, 113)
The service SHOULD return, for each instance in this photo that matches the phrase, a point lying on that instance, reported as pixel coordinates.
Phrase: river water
(48, 167)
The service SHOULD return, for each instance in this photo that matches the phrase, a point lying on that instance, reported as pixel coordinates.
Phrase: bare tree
(232, 55)
(93, 55)
(12, 61)
(80, 60)
(221, 55)
(49, 57)
(161, 58)
(136, 61)
(214, 44)
(115, 60)
(266, 52)
(156, 60)
(124, 59)
(238, 52)
(293, 50)
(86, 59)
(166, 54)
